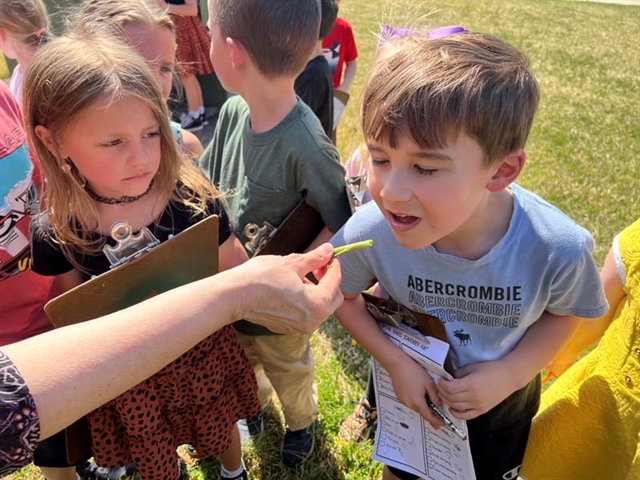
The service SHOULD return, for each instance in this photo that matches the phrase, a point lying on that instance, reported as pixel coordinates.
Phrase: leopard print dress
(196, 399)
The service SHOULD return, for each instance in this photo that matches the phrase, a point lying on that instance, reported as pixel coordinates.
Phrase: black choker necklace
(117, 201)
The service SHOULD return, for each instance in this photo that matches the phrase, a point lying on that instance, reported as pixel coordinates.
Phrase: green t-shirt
(265, 175)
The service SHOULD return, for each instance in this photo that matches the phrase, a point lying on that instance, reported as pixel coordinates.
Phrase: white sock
(194, 114)
(224, 473)
(201, 110)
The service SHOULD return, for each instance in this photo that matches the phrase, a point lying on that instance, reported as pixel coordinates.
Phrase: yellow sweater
(588, 425)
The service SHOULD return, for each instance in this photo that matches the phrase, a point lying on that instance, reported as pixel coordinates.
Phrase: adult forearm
(72, 370)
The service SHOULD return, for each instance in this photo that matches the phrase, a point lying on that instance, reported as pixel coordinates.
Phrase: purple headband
(389, 33)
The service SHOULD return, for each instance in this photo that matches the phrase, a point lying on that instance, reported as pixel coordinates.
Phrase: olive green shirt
(265, 175)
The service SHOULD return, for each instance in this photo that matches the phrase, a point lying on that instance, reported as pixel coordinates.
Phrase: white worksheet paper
(403, 438)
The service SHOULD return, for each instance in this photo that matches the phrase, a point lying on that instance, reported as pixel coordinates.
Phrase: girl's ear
(44, 134)
(507, 171)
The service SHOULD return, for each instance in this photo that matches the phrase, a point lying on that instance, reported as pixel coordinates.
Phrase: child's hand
(477, 389)
(411, 383)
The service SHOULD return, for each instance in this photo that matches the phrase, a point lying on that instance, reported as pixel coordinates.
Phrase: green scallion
(353, 246)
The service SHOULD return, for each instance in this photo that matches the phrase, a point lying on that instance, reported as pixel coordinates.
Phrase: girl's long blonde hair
(25, 20)
(68, 76)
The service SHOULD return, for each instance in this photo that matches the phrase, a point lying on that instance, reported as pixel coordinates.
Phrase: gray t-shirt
(543, 263)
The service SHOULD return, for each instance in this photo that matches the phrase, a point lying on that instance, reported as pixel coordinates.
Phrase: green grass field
(583, 156)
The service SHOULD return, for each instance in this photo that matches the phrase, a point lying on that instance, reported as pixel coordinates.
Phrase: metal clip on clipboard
(128, 246)
(258, 236)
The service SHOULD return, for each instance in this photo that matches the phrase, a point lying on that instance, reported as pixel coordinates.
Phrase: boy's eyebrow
(430, 155)
(426, 154)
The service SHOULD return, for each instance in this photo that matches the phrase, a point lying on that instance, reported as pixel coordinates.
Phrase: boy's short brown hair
(433, 90)
(278, 35)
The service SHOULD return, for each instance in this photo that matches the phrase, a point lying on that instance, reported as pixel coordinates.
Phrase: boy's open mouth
(404, 218)
(403, 221)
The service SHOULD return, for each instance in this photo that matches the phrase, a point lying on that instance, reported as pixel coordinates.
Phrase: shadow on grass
(353, 359)
(263, 458)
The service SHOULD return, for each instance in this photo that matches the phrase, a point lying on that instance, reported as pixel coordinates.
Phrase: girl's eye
(112, 143)
(376, 162)
(166, 70)
(424, 171)
(152, 135)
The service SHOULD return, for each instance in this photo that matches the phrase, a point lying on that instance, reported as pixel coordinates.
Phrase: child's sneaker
(191, 123)
(242, 476)
(255, 426)
(361, 424)
(297, 445)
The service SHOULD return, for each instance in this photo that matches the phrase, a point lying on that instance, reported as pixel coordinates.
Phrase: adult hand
(477, 388)
(279, 296)
(411, 383)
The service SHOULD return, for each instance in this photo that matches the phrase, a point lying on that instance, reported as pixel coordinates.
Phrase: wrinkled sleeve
(577, 289)
(19, 423)
(321, 181)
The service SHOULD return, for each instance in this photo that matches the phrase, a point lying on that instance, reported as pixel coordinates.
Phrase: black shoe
(93, 472)
(297, 445)
(255, 425)
(203, 119)
(190, 123)
(242, 476)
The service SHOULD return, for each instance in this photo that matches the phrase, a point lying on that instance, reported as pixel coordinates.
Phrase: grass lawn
(584, 156)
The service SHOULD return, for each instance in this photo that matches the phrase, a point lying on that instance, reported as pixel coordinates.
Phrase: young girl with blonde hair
(151, 32)
(24, 27)
(99, 125)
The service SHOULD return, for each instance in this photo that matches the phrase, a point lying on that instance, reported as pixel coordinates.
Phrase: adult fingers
(316, 259)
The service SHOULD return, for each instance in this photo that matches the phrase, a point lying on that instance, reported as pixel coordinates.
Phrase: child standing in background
(341, 52)
(112, 157)
(270, 150)
(314, 84)
(149, 31)
(193, 57)
(589, 419)
(446, 121)
(23, 28)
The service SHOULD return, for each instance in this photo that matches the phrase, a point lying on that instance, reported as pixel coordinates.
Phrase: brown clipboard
(342, 96)
(296, 232)
(189, 256)
(392, 313)
(294, 235)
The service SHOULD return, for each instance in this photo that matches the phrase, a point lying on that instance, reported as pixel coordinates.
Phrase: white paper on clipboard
(404, 439)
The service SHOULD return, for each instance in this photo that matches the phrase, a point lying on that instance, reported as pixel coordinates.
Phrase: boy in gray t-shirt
(446, 121)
